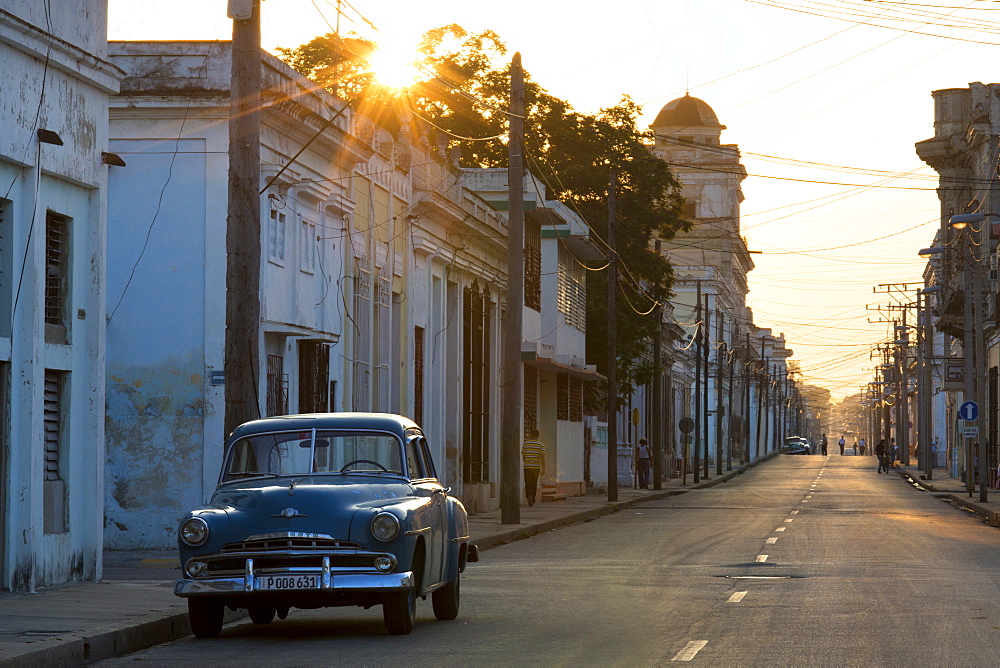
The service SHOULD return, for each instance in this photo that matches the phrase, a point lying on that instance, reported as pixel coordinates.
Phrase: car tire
(205, 616)
(446, 600)
(399, 612)
(261, 614)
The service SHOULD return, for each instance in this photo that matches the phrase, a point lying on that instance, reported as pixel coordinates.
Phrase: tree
(465, 95)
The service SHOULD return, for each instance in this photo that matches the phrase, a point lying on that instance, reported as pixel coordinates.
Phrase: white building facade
(53, 212)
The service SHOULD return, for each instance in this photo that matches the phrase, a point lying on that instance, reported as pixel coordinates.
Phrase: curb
(963, 503)
(529, 530)
(105, 642)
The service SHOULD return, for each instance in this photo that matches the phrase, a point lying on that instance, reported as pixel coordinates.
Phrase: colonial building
(965, 151)
(711, 261)
(53, 171)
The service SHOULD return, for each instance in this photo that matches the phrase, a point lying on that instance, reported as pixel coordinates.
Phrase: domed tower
(713, 253)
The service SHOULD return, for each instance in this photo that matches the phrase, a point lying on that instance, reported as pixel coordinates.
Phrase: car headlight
(194, 531)
(385, 527)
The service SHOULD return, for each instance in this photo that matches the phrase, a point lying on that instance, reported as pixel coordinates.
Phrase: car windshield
(306, 452)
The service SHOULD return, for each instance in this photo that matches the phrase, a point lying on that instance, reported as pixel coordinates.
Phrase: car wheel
(205, 616)
(446, 600)
(261, 614)
(399, 612)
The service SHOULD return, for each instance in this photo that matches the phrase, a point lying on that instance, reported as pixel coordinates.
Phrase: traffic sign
(970, 432)
(686, 425)
(969, 411)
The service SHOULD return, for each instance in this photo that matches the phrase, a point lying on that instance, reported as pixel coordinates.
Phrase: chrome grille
(285, 543)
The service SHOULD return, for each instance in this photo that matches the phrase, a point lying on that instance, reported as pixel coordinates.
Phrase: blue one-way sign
(969, 411)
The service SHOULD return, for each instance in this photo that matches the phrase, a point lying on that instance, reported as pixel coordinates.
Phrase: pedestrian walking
(822, 443)
(841, 443)
(861, 445)
(881, 454)
(533, 459)
(856, 446)
(893, 448)
(642, 459)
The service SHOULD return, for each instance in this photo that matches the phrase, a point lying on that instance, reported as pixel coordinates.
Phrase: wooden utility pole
(511, 431)
(612, 340)
(242, 355)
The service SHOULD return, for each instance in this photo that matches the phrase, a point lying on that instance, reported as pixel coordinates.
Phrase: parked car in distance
(322, 510)
(796, 445)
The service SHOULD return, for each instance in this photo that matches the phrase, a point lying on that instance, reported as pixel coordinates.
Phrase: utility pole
(696, 465)
(720, 408)
(760, 397)
(612, 340)
(242, 354)
(731, 368)
(511, 431)
(658, 408)
(707, 339)
(968, 349)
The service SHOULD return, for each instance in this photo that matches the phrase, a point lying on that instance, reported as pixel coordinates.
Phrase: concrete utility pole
(242, 355)
(612, 339)
(696, 464)
(511, 431)
(656, 442)
(720, 408)
(707, 340)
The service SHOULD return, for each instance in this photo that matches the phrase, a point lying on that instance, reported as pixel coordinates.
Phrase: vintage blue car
(322, 510)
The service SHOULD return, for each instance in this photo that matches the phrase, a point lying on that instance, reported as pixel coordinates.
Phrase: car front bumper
(329, 582)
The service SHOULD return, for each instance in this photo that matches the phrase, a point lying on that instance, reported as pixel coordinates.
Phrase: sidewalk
(953, 490)
(134, 606)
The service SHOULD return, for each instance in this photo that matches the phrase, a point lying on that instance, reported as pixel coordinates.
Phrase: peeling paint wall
(157, 382)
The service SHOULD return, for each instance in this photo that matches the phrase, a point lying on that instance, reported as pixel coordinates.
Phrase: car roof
(397, 424)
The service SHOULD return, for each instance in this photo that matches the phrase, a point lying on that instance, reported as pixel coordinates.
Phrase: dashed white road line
(737, 597)
(780, 529)
(761, 558)
(795, 512)
(690, 650)
(789, 519)
(772, 540)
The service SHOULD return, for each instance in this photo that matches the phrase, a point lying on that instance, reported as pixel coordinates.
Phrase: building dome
(686, 111)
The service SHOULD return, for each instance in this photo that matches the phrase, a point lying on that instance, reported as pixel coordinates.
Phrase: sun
(394, 65)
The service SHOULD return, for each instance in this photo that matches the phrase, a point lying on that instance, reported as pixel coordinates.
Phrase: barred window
(277, 386)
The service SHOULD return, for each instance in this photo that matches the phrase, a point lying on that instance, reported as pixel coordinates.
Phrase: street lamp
(971, 346)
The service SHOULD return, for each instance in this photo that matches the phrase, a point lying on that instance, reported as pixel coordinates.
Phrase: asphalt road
(805, 561)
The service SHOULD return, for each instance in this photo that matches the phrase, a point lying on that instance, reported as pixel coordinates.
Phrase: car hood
(314, 504)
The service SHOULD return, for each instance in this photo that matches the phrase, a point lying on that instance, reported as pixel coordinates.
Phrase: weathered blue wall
(156, 341)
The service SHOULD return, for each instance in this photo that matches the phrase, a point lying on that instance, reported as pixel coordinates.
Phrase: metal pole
(981, 358)
(968, 352)
(719, 406)
(707, 340)
(904, 404)
(511, 431)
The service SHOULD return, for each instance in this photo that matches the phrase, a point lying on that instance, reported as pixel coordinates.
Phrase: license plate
(272, 582)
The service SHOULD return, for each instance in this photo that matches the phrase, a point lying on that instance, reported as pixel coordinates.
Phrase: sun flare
(395, 65)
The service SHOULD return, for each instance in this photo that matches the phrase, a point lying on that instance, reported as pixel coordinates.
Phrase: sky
(825, 99)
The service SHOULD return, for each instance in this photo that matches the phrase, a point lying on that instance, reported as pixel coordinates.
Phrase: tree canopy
(465, 93)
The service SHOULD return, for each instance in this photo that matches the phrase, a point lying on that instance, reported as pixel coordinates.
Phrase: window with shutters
(6, 267)
(381, 341)
(575, 400)
(53, 426)
(57, 229)
(532, 265)
(362, 318)
(418, 374)
(477, 383)
(571, 291)
(530, 399)
(307, 246)
(276, 237)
